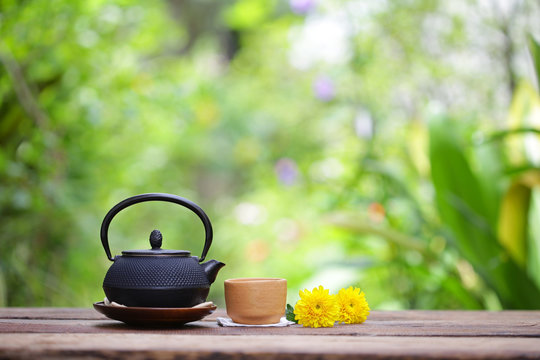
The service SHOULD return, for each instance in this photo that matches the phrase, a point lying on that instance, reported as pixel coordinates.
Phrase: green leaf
(501, 135)
(513, 221)
(514, 217)
(289, 314)
(534, 48)
(356, 224)
(467, 211)
(247, 14)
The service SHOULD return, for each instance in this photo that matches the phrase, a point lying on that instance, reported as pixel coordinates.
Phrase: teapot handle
(153, 197)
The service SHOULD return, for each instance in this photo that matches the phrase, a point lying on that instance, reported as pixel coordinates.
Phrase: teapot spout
(211, 268)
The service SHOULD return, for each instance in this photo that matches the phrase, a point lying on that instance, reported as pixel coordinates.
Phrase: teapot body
(156, 281)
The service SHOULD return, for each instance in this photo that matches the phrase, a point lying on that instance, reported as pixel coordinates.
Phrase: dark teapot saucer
(154, 316)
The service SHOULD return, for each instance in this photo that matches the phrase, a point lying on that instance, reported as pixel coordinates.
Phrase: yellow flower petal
(316, 308)
(353, 306)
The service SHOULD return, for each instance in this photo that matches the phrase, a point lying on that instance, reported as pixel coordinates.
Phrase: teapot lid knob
(156, 239)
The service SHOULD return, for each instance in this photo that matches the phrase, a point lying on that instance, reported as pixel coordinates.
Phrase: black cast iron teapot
(158, 277)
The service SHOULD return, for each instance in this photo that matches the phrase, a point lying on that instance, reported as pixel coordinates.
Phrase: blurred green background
(391, 145)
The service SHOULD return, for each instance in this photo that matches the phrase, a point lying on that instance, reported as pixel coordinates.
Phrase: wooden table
(51, 333)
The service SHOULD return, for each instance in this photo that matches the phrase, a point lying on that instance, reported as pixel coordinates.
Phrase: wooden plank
(66, 313)
(84, 333)
(456, 315)
(374, 326)
(49, 313)
(137, 346)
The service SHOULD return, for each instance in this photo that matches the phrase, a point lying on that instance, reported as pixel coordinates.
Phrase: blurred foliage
(388, 145)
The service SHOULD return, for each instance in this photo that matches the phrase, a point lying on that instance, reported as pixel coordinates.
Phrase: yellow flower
(316, 308)
(353, 307)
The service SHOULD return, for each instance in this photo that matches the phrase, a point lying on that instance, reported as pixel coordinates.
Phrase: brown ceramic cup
(256, 301)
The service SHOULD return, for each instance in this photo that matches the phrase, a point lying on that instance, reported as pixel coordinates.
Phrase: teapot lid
(155, 241)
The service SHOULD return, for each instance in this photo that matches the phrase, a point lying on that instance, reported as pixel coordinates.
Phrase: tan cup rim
(253, 280)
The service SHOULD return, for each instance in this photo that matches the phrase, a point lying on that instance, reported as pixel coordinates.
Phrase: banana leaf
(513, 221)
(468, 212)
(534, 48)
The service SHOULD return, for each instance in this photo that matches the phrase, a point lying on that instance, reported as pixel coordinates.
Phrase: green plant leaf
(356, 224)
(501, 135)
(513, 221)
(468, 214)
(289, 313)
(514, 216)
(534, 48)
